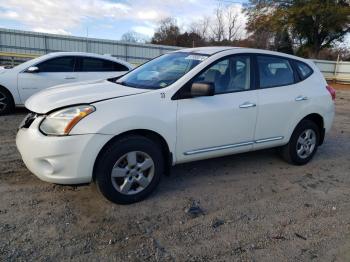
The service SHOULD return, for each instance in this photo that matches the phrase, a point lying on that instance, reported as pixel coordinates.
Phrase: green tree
(283, 42)
(314, 24)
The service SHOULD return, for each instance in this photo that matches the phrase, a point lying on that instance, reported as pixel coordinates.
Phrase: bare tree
(201, 27)
(218, 27)
(225, 24)
(233, 25)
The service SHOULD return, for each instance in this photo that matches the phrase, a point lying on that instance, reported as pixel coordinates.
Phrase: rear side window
(274, 71)
(56, 65)
(304, 70)
(89, 64)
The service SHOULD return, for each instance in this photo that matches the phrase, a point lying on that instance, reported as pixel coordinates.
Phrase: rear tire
(129, 169)
(303, 143)
(7, 104)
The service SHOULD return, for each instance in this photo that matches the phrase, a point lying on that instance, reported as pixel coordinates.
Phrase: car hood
(77, 93)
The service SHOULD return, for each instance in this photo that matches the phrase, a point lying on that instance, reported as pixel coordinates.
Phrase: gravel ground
(248, 207)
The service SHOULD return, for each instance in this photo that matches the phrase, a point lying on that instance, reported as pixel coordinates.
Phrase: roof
(106, 56)
(209, 50)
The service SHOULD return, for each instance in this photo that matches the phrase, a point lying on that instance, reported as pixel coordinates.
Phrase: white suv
(24, 80)
(183, 106)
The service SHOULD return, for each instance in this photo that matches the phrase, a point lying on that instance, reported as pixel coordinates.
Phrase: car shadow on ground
(21, 111)
(183, 176)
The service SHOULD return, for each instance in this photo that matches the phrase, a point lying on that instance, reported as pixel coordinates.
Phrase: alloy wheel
(306, 143)
(132, 172)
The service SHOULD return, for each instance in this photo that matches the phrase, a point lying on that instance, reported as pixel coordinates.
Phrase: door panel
(31, 83)
(205, 123)
(220, 124)
(277, 101)
(52, 72)
(277, 106)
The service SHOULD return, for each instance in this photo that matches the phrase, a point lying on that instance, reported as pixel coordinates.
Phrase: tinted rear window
(89, 64)
(274, 71)
(304, 70)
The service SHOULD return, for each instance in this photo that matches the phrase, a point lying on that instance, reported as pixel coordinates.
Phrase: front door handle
(247, 105)
(301, 98)
(69, 77)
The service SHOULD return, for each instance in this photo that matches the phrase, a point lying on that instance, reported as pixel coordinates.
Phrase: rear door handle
(247, 105)
(69, 77)
(301, 98)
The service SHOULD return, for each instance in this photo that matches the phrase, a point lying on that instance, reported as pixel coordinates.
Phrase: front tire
(129, 169)
(6, 102)
(303, 143)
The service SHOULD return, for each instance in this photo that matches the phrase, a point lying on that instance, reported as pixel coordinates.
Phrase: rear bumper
(61, 160)
(328, 118)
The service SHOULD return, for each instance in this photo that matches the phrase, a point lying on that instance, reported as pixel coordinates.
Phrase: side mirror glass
(202, 89)
(33, 69)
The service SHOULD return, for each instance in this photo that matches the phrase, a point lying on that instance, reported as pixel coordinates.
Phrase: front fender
(143, 111)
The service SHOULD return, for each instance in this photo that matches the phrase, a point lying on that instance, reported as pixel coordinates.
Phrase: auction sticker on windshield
(196, 57)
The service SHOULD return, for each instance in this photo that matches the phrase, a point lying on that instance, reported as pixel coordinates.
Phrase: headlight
(61, 122)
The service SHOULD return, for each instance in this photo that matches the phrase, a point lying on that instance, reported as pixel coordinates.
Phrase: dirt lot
(255, 208)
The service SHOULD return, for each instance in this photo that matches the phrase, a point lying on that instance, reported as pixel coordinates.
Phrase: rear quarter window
(303, 69)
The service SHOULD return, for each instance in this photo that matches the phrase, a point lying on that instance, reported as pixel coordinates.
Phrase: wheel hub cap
(132, 172)
(306, 143)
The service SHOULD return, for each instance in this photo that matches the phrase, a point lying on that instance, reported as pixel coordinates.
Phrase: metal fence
(338, 71)
(18, 46)
(14, 42)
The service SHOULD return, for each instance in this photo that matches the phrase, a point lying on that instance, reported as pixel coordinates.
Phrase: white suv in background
(19, 83)
(183, 106)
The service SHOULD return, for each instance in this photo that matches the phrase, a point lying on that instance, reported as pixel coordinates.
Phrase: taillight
(331, 90)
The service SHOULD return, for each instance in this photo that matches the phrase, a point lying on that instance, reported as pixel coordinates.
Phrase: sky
(106, 19)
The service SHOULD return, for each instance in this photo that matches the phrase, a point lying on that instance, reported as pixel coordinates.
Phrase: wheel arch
(12, 98)
(152, 135)
(8, 91)
(319, 121)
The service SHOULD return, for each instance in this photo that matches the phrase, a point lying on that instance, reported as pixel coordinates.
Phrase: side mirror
(33, 69)
(202, 89)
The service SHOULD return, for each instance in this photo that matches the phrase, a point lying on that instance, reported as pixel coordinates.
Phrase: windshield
(162, 71)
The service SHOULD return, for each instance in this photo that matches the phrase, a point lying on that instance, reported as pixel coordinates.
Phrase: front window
(231, 74)
(162, 71)
(57, 65)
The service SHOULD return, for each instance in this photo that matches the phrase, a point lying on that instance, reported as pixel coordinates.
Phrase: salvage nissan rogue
(192, 104)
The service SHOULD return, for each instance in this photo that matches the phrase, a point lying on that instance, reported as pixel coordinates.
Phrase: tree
(218, 25)
(232, 23)
(134, 37)
(190, 40)
(259, 23)
(319, 23)
(314, 24)
(201, 27)
(167, 32)
(283, 42)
